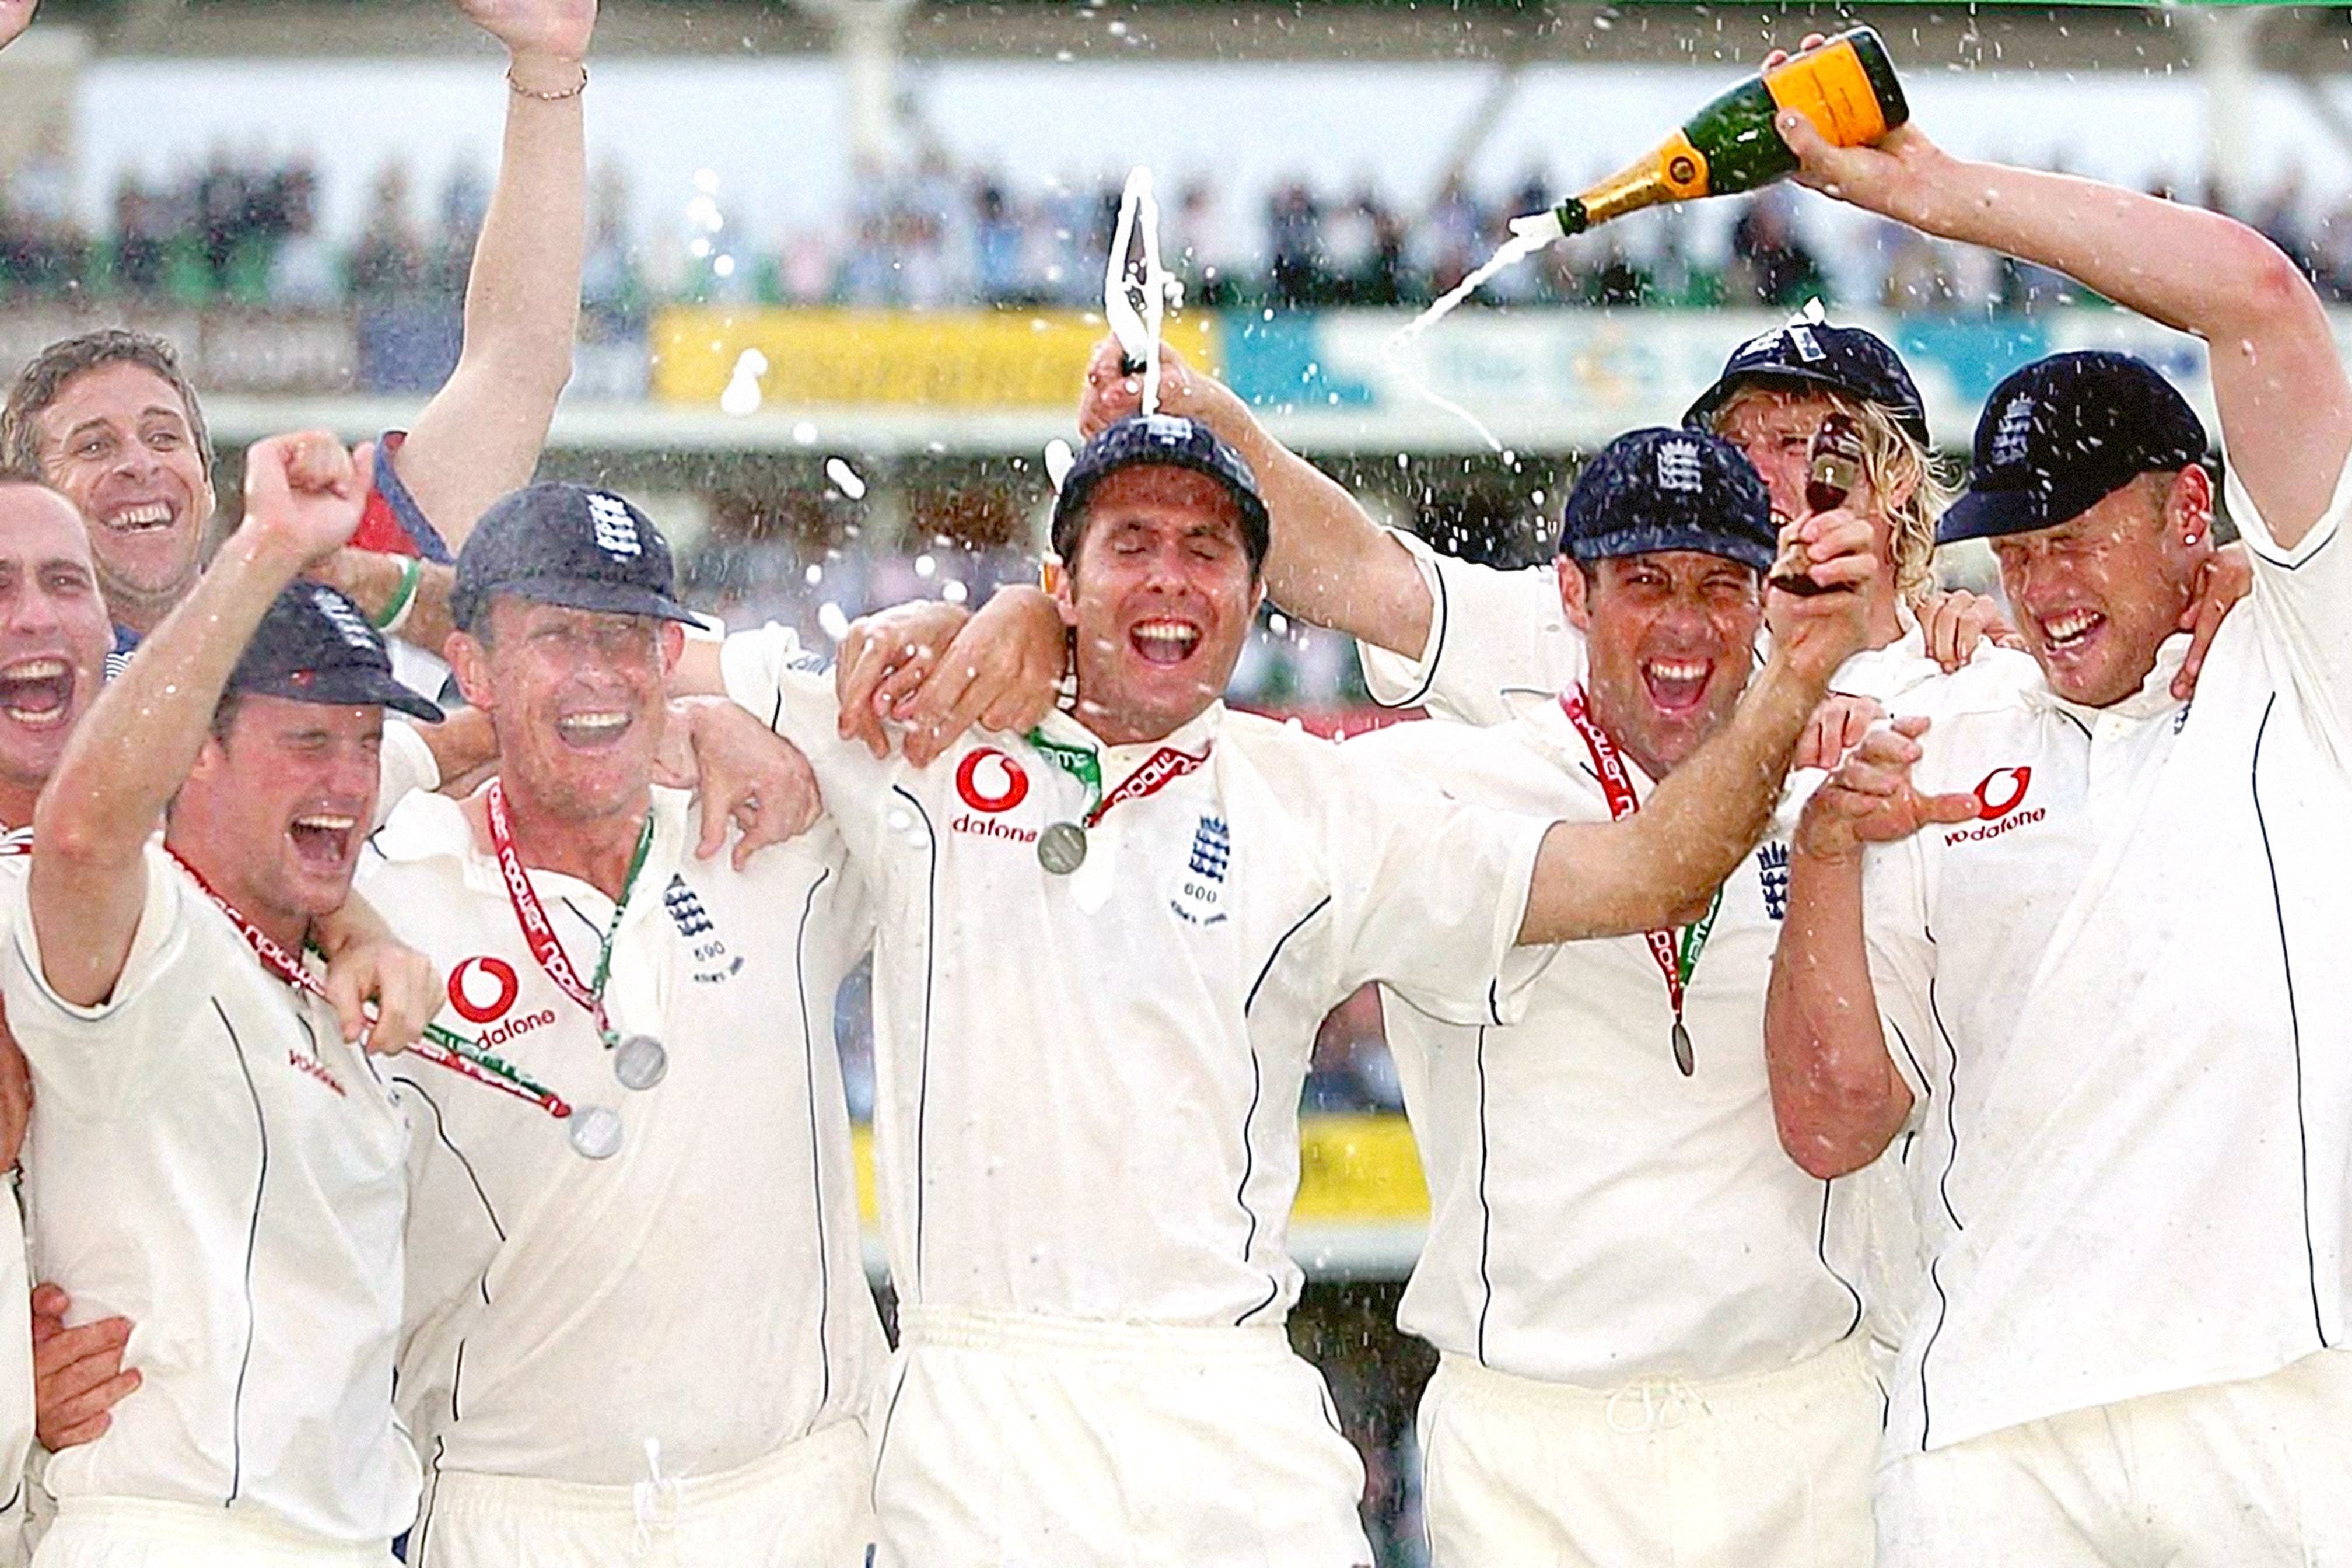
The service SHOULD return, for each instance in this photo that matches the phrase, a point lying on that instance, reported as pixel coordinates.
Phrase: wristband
(403, 598)
(537, 96)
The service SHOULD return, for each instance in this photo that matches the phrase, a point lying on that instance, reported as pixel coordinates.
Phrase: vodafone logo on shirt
(991, 782)
(483, 989)
(2000, 794)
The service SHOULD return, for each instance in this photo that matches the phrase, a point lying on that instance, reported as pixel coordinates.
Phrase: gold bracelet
(533, 92)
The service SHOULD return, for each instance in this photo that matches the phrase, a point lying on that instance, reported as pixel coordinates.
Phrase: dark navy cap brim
(1995, 513)
(1652, 540)
(586, 593)
(346, 687)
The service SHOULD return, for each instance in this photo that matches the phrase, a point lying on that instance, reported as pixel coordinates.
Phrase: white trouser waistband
(457, 1494)
(252, 1534)
(1034, 1333)
(1649, 1404)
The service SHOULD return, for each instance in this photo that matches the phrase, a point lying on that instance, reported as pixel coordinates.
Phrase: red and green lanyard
(1676, 959)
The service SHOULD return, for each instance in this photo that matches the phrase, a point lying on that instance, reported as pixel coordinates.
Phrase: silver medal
(640, 1062)
(1682, 1057)
(1061, 848)
(595, 1132)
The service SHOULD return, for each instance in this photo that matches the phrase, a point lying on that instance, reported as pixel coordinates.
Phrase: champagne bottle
(1847, 86)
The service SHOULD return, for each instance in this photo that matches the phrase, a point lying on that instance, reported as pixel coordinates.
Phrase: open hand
(550, 29)
(1870, 798)
(2226, 577)
(742, 773)
(77, 1372)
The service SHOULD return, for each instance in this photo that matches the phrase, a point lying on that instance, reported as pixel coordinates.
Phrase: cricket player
(218, 1156)
(108, 417)
(646, 1328)
(1650, 1324)
(1101, 952)
(53, 640)
(2092, 953)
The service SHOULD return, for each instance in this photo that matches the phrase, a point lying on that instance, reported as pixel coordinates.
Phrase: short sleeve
(1902, 958)
(403, 767)
(1490, 631)
(1428, 894)
(61, 1038)
(787, 687)
(2302, 605)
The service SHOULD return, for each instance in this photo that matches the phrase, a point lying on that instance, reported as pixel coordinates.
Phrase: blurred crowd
(249, 232)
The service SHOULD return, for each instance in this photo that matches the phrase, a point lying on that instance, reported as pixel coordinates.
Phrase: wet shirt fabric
(1596, 1217)
(2120, 995)
(700, 1290)
(1088, 1084)
(216, 1164)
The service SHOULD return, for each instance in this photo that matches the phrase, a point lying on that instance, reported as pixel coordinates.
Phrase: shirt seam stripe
(817, 1149)
(2294, 1026)
(1485, 1209)
(252, 1246)
(1258, 1090)
(923, 1057)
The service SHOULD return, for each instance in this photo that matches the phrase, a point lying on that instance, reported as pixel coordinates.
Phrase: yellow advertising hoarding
(946, 359)
(1351, 1167)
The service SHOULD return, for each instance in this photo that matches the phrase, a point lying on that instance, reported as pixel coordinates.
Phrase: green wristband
(403, 598)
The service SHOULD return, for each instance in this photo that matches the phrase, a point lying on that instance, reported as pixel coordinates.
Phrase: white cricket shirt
(210, 1160)
(2122, 998)
(1087, 1085)
(1597, 1218)
(701, 1288)
(15, 1316)
(1493, 632)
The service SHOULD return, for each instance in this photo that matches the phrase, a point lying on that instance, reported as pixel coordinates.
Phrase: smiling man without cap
(1103, 950)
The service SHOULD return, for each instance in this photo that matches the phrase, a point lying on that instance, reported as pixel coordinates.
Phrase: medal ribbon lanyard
(1676, 961)
(537, 931)
(440, 1046)
(1162, 768)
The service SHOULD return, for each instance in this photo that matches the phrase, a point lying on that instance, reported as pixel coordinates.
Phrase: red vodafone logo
(483, 988)
(2001, 790)
(991, 782)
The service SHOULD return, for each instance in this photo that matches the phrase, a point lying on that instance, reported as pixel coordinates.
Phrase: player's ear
(1574, 591)
(468, 661)
(1055, 577)
(673, 645)
(2188, 507)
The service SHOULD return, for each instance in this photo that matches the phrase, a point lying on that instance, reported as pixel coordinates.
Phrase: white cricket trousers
(140, 1533)
(1014, 1441)
(2232, 1475)
(1767, 1471)
(803, 1506)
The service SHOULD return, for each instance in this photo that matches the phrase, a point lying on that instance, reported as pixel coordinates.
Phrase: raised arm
(1660, 867)
(139, 739)
(2284, 400)
(1331, 563)
(481, 434)
(1837, 1098)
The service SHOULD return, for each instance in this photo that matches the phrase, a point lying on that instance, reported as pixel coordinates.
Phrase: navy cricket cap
(1812, 355)
(314, 646)
(1670, 489)
(566, 544)
(1171, 440)
(2063, 434)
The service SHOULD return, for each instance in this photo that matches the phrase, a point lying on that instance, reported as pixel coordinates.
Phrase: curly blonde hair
(1898, 465)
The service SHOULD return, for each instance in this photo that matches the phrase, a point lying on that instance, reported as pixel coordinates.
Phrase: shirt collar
(427, 826)
(1547, 722)
(1195, 735)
